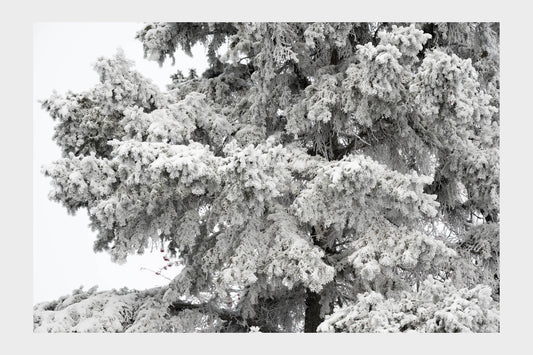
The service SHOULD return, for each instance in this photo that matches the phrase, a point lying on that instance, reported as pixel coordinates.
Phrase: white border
(16, 174)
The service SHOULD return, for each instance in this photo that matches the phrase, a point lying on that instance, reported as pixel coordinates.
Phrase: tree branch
(234, 323)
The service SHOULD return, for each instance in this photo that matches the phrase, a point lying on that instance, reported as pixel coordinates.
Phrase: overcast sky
(63, 258)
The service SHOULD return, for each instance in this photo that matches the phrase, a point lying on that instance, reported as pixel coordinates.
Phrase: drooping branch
(234, 323)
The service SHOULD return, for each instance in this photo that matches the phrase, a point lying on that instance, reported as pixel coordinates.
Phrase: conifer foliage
(316, 177)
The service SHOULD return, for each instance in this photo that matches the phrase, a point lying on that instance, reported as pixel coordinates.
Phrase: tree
(330, 176)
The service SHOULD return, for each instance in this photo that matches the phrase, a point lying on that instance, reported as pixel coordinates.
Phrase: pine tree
(330, 176)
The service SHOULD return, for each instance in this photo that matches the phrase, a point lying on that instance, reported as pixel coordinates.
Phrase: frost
(435, 308)
(327, 167)
(344, 187)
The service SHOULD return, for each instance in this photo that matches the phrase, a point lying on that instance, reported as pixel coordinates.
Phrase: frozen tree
(317, 176)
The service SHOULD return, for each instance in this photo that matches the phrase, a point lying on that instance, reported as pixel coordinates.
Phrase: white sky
(63, 258)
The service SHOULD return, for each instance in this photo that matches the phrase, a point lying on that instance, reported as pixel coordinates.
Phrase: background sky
(63, 258)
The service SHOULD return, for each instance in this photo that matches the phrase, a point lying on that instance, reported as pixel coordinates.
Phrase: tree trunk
(312, 312)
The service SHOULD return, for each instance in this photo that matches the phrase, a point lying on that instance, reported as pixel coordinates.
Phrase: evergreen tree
(318, 176)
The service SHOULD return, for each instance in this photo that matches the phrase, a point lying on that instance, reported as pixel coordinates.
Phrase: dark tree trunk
(312, 312)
